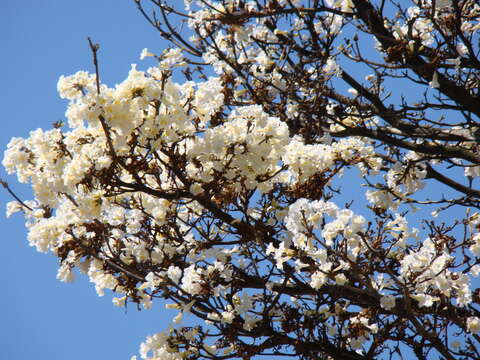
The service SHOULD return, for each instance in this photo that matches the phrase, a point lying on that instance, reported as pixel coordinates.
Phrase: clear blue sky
(40, 317)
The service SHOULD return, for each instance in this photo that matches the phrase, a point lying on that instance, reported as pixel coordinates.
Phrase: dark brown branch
(432, 173)
(430, 148)
(370, 17)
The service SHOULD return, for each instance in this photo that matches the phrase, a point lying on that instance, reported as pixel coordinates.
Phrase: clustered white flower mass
(165, 189)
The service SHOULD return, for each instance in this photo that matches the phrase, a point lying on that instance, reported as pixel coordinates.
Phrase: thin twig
(106, 130)
(94, 48)
(5, 185)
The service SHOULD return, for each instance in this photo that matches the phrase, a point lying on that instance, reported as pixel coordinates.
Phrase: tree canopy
(298, 176)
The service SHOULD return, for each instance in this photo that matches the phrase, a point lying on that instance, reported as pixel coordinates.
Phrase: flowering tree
(271, 193)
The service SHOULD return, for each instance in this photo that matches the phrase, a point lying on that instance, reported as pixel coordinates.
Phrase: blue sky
(40, 317)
